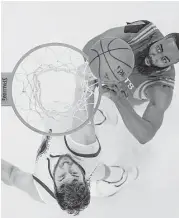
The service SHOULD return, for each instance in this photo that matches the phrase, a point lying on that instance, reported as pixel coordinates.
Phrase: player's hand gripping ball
(114, 92)
(111, 60)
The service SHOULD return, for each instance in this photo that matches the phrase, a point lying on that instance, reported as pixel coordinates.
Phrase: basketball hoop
(54, 84)
(49, 85)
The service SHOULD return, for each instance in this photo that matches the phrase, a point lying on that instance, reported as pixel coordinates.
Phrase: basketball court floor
(28, 24)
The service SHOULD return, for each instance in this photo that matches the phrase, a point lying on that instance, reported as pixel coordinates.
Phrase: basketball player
(68, 170)
(152, 79)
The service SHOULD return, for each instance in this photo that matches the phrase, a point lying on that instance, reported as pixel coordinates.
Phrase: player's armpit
(160, 99)
(13, 176)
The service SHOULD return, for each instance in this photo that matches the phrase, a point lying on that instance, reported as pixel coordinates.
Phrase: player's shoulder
(86, 150)
(166, 74)
(161, 96)
(170, 71)
(162, 86)
(142, 30)
(160, 93)
(137, 26)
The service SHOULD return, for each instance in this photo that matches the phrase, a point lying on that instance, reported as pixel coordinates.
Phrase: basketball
(111, 60)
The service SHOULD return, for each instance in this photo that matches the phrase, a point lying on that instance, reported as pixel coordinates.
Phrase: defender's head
(71, 189)
(160, 54)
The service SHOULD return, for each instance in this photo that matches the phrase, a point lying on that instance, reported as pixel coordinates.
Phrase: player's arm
(144, 128)
(117, 32)
(13, 176)
(160, 99)
(85, 135)
(124, 32)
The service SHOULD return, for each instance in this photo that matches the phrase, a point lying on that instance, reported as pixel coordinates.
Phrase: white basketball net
(44, 87)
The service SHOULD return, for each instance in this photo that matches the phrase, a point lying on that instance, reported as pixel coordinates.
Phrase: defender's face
(67, 170)
(163, 53)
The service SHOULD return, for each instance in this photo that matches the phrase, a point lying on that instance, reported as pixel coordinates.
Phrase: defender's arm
(13, 176)
(85, 135)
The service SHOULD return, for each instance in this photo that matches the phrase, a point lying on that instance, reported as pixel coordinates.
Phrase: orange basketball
(111, 60)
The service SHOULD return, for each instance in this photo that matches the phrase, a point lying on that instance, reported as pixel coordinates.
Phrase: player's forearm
(85, 135)
(7, 171)
(13, 176)
(141, 129)
(84, 107)
(116, 32)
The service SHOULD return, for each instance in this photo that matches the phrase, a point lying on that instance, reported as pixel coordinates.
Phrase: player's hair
(175, 36)
(73, 197)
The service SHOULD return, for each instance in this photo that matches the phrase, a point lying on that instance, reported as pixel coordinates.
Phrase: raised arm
(118, 32)
(127, 33)
(86, 135)
(13, 176)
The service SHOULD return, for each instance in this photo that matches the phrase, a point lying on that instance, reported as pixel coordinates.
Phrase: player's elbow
(147, 137)
(144, 141)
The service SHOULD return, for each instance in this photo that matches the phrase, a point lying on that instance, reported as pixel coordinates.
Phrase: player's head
(71, 189)
(164, 52)
(159, 55)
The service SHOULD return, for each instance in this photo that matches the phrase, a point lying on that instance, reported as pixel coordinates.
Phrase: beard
(141, 66)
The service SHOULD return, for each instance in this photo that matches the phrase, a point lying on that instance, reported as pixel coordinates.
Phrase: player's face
(67, 170)
(163, 53)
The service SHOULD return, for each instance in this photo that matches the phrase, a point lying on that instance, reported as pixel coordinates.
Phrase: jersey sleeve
(136, 27)
(164, 78)
(82, 150)
(142, 30)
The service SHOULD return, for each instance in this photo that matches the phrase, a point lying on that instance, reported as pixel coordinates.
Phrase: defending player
(68, 170)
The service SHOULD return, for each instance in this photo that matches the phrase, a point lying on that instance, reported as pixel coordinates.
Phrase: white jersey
(89, 157)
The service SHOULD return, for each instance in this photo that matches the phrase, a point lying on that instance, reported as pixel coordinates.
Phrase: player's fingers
(108, 93)
(124, 94)
(115, 88)
(105, 89)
